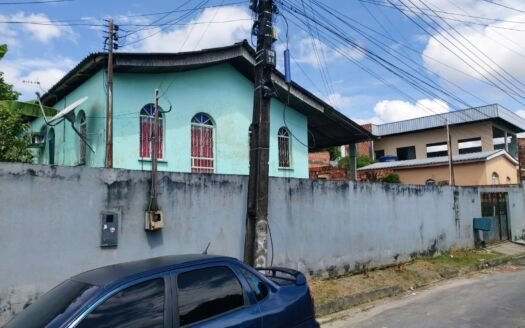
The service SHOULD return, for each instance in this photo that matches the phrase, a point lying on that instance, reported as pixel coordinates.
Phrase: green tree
(335, 152)
(391, 178)
(6, 90)
(364, 160)
(14, 141)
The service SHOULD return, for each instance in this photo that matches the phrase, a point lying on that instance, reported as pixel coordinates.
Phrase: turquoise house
(206, 102)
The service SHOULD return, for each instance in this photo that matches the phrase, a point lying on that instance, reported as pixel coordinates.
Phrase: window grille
(283, 139)
(202, 152)
(147, 120)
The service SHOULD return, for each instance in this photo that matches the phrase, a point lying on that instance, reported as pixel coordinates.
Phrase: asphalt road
(495, 300)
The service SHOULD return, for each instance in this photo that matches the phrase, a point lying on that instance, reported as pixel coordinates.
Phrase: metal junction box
(109, 235)
(153, 220)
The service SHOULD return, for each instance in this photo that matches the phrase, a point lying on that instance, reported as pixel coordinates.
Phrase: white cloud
(314, 52)
(25, 73)
(521, 112)
(7, 33)
(397, 110)
(214, 27)
(43, 33)
(337, 100)
(502, 46)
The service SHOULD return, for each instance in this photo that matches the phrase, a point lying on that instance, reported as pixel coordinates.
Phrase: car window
(257, 285)
(54, 306)
(140, 305)
(208, 292)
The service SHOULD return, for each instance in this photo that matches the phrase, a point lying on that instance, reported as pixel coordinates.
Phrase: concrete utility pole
(255, 243)
(109, 109)
(154, 206)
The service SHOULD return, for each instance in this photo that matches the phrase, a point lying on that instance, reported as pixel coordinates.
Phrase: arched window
(82, 128)
(283, 140)
(202, 154)
(495, 178)
(430, 182)
(147, 115)
(51, 146)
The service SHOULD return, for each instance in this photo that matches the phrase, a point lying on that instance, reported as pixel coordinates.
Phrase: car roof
(121, 272)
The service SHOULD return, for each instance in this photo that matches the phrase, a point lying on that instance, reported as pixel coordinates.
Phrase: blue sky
(474, 56)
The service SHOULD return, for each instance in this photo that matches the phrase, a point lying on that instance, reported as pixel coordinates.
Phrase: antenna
(206, 250)
(67, 113)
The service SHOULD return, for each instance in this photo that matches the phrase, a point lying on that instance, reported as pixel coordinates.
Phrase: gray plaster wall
(50, 222)
(340, 226)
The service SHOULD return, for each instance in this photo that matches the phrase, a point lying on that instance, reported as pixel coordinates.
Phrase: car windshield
(52, 306)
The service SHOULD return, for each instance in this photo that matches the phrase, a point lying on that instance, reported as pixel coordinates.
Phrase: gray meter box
(109, 234)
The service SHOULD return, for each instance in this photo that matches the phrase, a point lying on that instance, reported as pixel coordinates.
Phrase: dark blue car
(175, 291)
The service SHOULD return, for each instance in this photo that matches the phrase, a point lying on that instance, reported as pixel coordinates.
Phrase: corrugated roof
(468, 115)
(436, 161)
(327, 126)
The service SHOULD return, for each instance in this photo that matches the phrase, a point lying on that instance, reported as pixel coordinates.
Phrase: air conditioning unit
(37, 140)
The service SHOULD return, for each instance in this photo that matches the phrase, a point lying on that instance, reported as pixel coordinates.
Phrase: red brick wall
(363, 148)
(328, 173)
(319, 159)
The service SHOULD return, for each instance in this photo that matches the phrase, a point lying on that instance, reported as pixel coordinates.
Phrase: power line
(504, 6)
(33, 2)
(177, 20)
(382, 4)
(477, 48)
(185, 10)
(391, 68)
(455, 54)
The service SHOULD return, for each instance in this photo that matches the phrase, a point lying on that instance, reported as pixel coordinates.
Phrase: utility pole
(153, 215)
(451, 179)
(154, 206)
(352, 163)
(255, 243)
(111, 44)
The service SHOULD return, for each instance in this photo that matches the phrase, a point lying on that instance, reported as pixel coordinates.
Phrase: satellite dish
(66, 112)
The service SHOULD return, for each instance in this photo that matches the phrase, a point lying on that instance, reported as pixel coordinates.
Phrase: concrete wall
(50, 222)
(219, 91)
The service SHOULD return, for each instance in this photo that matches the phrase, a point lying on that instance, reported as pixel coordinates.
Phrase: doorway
(494, 207)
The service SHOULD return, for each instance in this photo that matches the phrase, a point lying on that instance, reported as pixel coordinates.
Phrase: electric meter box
(109, 226)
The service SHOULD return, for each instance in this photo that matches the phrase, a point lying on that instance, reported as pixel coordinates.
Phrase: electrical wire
(506, 91)
(33, 2)
(484, 56)
(504, 6)
(384, 4)
(364, 68)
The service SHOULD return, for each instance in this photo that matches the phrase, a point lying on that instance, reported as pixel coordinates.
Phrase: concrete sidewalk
(507, 248)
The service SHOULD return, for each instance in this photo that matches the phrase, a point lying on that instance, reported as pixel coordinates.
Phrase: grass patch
(419, 272)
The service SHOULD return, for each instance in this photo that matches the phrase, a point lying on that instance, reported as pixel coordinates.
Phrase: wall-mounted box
(109, 229)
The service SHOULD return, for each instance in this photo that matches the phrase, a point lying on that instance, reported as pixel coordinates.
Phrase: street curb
(344, 303)
(349, 301)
